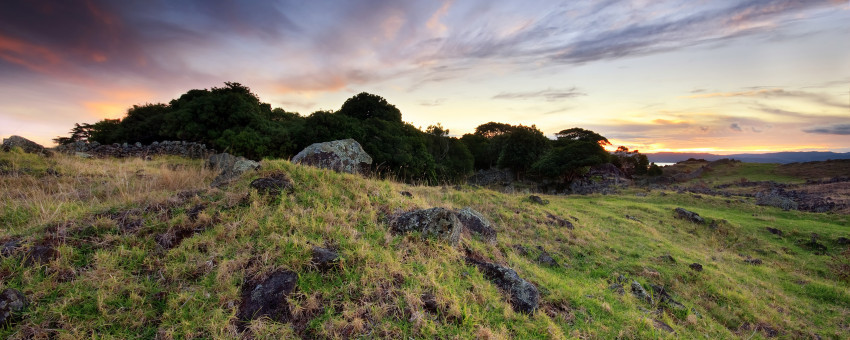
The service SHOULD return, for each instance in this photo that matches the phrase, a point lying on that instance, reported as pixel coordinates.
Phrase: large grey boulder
(25, 144)
(12, 303)
(340, 155)
(230, 166)
(477, 223)
(435, 222)
(524, 295)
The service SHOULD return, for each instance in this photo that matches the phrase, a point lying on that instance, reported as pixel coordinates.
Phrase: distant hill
(776, 157)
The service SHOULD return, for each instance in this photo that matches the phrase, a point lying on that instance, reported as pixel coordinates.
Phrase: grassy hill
(146, 249)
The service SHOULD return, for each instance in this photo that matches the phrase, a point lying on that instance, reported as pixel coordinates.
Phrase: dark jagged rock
(560, 221)
(267, 298)
(40, 254)
(662, 294)
(546, 259)
(229, 166)
(842, 241)
(640, 293)
(324, 258)
(340, 155)
(26, 145)
(689, 215)
(524, 295)
(537, 200)
(521, 249)
(774, 231)
(436, 222)
(273, 185)
(476, 222)
(696, 266)
(12, 304)
(617, 288)
(407, 194)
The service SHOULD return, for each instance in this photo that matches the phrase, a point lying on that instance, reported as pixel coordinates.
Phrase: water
(663, 164)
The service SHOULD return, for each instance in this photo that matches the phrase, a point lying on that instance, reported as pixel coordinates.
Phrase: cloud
(819, 98)
(756, 130)
(433, 102)
(550, 95)
(836, 129)
(735, 127)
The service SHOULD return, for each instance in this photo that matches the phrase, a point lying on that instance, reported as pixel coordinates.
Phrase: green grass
(109, 282)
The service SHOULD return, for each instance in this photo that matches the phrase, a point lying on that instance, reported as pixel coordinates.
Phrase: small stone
(537, 200)
(273, 185)
(667, 258)
(474, 221)
(546, 259)
(640, 293)
(407, 194)
(696, 266)
(324, 258)
(689, 215)
(12, 304)
(753, 261)
(774, 231)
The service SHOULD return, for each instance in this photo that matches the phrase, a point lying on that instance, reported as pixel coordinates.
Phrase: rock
(546, 259)
(473, 221)
(429, 302)
(640, 293)
(524, 295)
(521, 249)
(230, 167)
(667, 258)
(340, 155)
(9, 247)
(491, 176)
(273, 185)
(536, 199)
(26, 145)
(617, 288)
(324, 258)
(774, 231)
(662, 294)
(437, 222)
(40, 254)
(696, 266)
(267, 298)
(842, 241)
(660, 325)
(82, 155)
(12, 304)
(689, 215)
(406, 194)
(560, 221)
(752, 261)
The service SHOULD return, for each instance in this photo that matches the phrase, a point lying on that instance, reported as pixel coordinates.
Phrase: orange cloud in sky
(116, 102)
(32, 56)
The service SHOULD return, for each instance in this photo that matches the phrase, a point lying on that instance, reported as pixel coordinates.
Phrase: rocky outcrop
(689, 215)
(267, 298)
(524, 295)
(440, 223)
(12, 304)
(340, 155)
(172, 148)
(477, 223)
(26, 145)
(229, 166)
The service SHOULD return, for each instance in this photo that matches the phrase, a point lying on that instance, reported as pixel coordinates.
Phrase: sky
(686, 75)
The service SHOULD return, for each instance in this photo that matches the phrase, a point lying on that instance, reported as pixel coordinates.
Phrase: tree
(80, 132)
(570, 160)
(453, 161)
(522, 147)
(579, 134)
(365, 105)
(654, 170)
(630, 162)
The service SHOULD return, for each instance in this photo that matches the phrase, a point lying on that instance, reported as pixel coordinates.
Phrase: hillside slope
(142, 249)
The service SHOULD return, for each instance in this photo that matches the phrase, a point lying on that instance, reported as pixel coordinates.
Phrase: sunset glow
(720, 77)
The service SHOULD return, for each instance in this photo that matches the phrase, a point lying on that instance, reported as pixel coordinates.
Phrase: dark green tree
(523, 146)
(365, 106)
(654, 170)
(570, 160)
